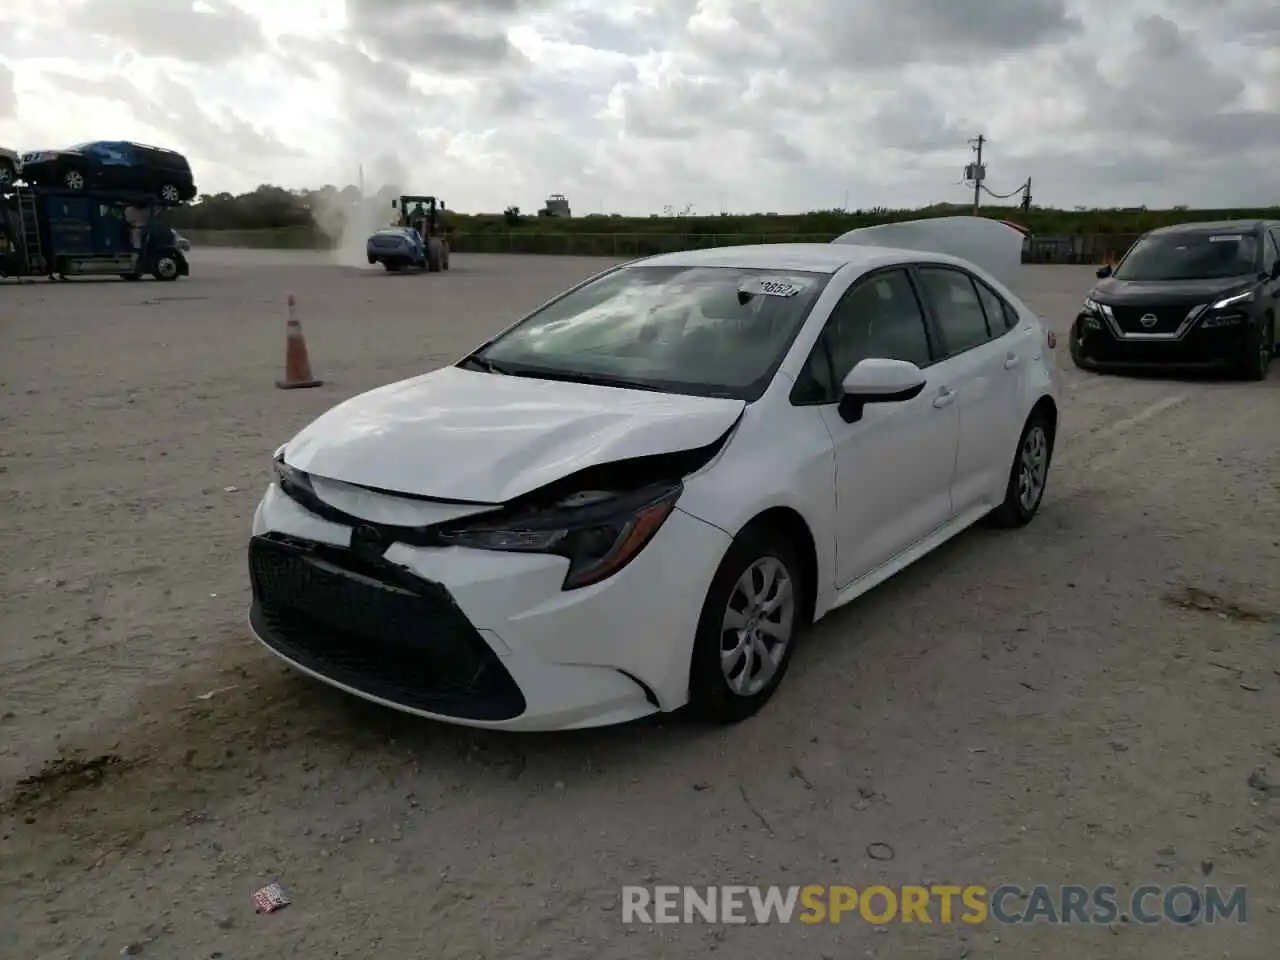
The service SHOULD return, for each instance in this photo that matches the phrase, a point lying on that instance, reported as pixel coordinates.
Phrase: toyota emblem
(1149, 320)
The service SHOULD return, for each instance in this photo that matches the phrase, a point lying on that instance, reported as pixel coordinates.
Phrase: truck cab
(65, 233)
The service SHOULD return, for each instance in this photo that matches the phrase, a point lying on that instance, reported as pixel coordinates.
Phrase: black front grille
(1196, 348)
(1168, 319)
(388, 243)
(376, 628)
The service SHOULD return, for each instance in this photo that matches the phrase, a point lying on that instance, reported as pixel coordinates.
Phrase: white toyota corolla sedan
(638, 497)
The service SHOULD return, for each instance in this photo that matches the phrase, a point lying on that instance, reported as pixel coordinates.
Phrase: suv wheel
(1262, 347)
(170, 194)
(73, 180)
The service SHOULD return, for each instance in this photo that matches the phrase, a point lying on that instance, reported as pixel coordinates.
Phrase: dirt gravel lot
(1092, 700)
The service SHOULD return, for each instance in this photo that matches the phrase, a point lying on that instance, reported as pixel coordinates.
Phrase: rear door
(987, 362)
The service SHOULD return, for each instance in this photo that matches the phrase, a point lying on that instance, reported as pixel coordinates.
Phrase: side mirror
(877, 380)
(1104, 272)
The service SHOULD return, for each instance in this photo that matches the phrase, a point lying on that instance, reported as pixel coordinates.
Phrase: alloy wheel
(1033, 465)
(758, 624)
(75, 180)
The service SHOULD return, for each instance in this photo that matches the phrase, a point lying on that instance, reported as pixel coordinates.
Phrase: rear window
(1198, 255)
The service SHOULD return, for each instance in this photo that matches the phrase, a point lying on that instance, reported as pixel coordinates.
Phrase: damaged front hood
(455, 434)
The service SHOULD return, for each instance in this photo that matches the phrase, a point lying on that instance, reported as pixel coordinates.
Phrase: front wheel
(1076, 344)
(1028, 476)
(73, 180)
(748, 628)
(165, 268)
(170, 194)
(1262, 347)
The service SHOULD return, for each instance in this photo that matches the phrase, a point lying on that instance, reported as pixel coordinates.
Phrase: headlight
(598, 532)
(294, 483)
(1234, 300)
(1093, 306)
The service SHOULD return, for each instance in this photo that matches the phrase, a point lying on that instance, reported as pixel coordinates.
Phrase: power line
(976, 173)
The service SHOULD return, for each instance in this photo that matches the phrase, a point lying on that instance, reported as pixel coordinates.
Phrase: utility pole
(978, 172)
(1026, 196)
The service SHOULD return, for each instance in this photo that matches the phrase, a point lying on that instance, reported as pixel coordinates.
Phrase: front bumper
(1096, 346)
(482, 638)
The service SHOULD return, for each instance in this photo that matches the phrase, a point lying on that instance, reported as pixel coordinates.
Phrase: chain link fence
(1066, 248)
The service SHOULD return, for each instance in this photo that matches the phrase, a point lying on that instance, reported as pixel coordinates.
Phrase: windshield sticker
(1235, 238)
(776, 288)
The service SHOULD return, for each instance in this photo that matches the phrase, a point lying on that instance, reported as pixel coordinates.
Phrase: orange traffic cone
(297, 366)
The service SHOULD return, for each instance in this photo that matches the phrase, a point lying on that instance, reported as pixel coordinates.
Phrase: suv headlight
(1235, 300)
(598, 532)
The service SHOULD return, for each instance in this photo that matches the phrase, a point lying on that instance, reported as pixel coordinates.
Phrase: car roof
(1212, 226)
(812, 257)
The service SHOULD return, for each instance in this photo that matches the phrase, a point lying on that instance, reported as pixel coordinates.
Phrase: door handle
(1011, 361)
(945, 398)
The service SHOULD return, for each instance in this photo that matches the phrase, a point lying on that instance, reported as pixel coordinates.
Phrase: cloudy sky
(634, 105)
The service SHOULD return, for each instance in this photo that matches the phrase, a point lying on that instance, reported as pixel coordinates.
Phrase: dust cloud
(348, 220)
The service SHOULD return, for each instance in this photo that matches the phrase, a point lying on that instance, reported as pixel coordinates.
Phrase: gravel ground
(1091, 700)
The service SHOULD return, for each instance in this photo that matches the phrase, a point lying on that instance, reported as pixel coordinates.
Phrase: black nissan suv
(1191, 295)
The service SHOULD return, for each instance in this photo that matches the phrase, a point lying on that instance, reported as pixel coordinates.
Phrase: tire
(170, 194)
(1076, 344)
(434, 254)
(73, 179)
(712, 695)
(8, 174)
(1262, 347)
(1017, 509)
(165, 267)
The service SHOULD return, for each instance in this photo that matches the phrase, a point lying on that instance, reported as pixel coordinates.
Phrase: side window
(1271, 251)
(879, 317)
(955, 303)
(996, 309)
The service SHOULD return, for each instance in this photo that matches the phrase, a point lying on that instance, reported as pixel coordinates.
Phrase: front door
(894, 465)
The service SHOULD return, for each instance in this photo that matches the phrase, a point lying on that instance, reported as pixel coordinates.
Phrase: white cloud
(761, 104)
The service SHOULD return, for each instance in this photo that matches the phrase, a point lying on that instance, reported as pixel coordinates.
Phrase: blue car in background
(397, 248)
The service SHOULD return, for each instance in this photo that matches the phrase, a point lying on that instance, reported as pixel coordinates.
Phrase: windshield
(1191, 256)
(706, 331)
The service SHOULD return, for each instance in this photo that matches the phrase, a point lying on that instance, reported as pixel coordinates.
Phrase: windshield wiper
(485, 365)
(587, 378)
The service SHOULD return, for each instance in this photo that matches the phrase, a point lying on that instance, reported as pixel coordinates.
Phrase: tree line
(324, 212)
